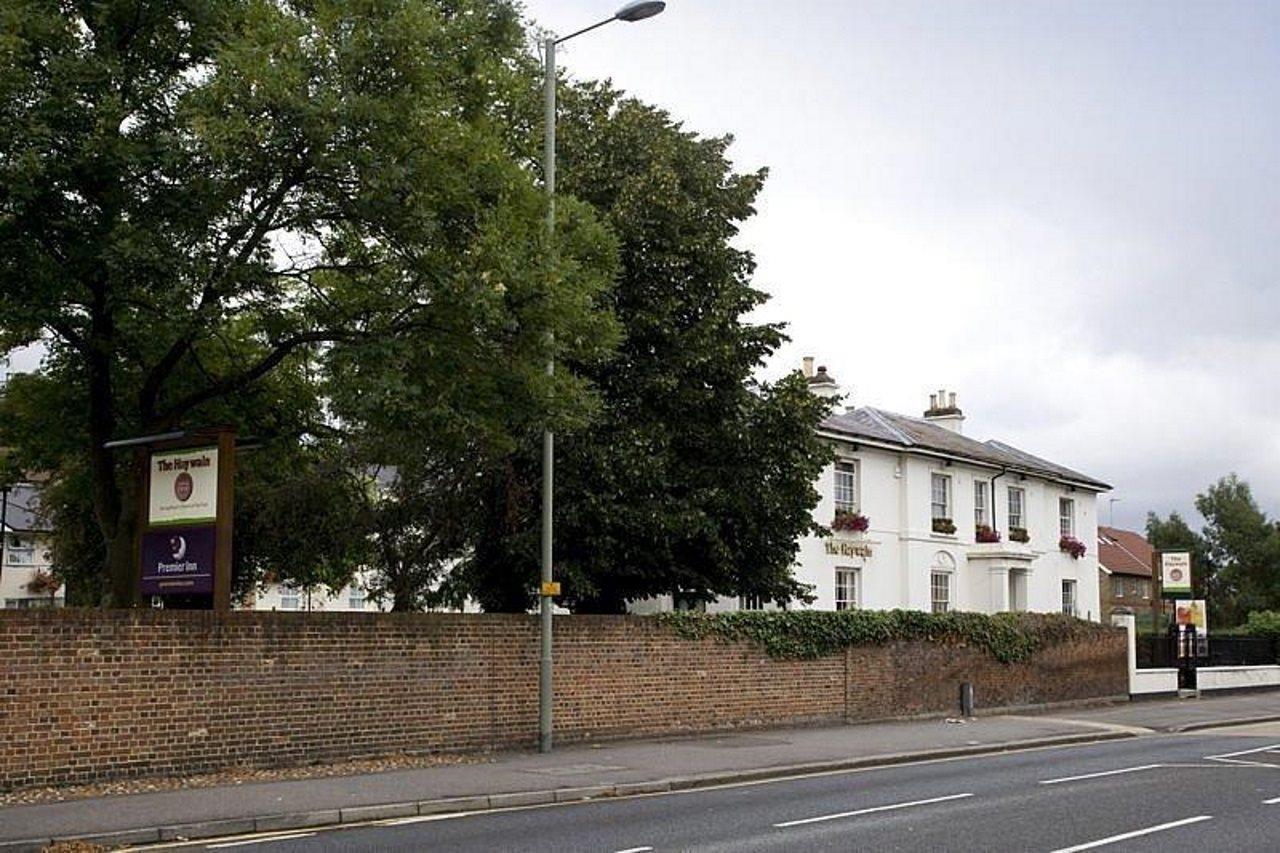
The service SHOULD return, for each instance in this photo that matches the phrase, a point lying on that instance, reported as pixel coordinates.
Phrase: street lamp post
(636, 11)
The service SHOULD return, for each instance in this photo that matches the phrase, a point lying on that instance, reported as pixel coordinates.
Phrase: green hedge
(1008, 637)
(1263, 623)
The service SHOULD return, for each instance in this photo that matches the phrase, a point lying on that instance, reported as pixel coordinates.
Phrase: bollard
(966, 699)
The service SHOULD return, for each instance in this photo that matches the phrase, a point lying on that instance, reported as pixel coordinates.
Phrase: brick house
(1124, 573)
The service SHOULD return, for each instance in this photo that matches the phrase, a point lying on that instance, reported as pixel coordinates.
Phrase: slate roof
(20, 512)
(1124, 552)
(907, 432)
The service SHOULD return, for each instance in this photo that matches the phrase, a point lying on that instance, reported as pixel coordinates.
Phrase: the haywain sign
(184, 487)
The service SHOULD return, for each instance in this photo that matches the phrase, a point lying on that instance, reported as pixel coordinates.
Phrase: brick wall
(87, 696)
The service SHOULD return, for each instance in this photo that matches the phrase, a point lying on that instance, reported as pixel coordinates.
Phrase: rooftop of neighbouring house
(20, 509)
(1124, 552)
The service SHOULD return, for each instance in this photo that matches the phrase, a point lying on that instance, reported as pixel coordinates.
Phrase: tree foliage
(207, 203)
(692, 478)
(1236, 555)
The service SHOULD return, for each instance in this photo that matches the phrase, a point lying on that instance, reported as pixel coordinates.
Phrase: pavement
(598, 770)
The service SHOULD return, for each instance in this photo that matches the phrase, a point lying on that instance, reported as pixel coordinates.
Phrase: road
(1202, 792)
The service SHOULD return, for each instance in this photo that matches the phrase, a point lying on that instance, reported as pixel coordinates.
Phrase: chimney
(824, 385)
(808, 366)
(944, 412)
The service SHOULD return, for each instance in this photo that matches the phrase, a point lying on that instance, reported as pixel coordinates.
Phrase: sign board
(1175, 573)
(183, 487)
(178, 560)
(842, 548)
(550, 587)
(1193, 612)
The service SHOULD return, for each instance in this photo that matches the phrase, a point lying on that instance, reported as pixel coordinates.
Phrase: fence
(1159, 651)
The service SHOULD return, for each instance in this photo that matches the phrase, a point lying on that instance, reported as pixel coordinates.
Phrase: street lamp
(634, 11)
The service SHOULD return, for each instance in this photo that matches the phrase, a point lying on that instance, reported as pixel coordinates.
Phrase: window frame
(1069, 584)
(357, 594)
(1021, 514)
(855, 601)
(1067, 516)
(753, 603)
(849, 468)
(945, 479)
(946, 586)
(980, 507)
(290, 594)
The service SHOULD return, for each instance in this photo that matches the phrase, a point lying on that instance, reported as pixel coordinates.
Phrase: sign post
(186, 536)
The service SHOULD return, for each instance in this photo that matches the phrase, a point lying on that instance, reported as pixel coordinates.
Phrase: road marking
(871, 810)
(636, 850)
(266, 840)
(1099, 775)
(427, 818)
(1271, 802)
(1137, 833)
(1245, 751)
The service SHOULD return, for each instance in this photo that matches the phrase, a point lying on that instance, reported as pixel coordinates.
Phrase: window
(941, 488)
(940, 591)
(22, 552)
(1017, 498)
(980, 503)
(1146, 589)
(1066, 516)
(356, 599)
(848, 595)
(846, 487)
(751, 602)
(1117, 587)
(289, 599)
(687, 602)
(1069, 598)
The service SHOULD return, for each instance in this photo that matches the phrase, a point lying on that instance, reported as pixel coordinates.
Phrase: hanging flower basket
(849, 520)
(1072, 546)
(944, 525)
(44, 583)
(986, 533)
(1019, 534)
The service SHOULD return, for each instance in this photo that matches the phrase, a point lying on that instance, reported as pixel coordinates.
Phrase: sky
(1066, 212)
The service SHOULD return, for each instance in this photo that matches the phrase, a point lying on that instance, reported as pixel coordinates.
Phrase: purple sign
(178, 560)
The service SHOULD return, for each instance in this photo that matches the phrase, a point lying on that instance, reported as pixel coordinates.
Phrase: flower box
(850, 520)
(986, 534)
(944, 525)
(1019, 534)
(1073, 546)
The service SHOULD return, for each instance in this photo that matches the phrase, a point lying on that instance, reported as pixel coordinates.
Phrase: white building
(351, 598)
(25, 576)
(922, 490)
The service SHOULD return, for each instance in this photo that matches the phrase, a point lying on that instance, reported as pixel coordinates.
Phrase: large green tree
(1236, 555)
(199, 196)
(693, 478)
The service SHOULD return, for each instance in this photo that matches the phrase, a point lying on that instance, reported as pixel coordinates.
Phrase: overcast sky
(1066, 212)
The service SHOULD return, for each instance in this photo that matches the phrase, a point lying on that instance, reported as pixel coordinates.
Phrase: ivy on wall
(1007, 637)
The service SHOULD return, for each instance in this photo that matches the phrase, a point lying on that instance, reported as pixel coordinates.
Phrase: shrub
(1019, 534)
(847, 519)
(944, 525)
(986, 533)
(1007, 637)
(1263, 623)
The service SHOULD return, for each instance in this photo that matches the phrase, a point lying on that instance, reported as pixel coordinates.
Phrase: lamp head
(639, 10)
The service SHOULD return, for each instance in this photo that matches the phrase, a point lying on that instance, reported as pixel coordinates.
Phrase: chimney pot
(951, 400)
(933, 401)
(822, 368)
(808, 365)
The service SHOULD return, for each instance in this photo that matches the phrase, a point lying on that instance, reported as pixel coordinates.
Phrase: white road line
(1137, 833)
(1271, 802)
(808, 820)
(1245, 751)
(427, 818)
(1099, 775)
(265, 840)
(636, 850)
